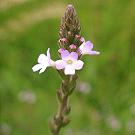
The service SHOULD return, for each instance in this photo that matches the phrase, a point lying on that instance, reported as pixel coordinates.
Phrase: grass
(109, 107)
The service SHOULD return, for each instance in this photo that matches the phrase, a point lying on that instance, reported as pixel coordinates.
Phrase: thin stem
(60, 115)
(60, 119)
(69, 28)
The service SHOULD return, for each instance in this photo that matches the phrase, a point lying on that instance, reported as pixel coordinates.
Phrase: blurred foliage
(109, 107)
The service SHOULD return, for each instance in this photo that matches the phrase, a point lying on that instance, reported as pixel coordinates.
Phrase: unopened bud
(69, 33)
(70, 37)
(78, 40)
(78, 36)
(63, 41)
(72, 47)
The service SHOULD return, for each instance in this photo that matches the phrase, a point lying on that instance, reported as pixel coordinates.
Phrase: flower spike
(71, 47)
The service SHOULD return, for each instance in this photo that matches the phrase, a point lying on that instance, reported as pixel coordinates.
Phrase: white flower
(69, 62)
(44, 61)
(86, 48)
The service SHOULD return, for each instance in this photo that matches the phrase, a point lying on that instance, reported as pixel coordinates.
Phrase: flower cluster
(70, 56)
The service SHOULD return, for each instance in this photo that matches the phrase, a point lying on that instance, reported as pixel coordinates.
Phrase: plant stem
(60, 120)
(60, 115)
(69, 28)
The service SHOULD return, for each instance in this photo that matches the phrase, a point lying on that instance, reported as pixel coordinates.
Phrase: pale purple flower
(44, 61)
(86, 48)
(69, 62)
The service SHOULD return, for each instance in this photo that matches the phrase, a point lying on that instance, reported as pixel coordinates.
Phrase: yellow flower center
(69, 62)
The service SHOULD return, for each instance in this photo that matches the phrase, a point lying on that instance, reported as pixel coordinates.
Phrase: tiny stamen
(69, 62)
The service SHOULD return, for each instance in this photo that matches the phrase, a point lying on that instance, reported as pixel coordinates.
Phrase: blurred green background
(104, 101)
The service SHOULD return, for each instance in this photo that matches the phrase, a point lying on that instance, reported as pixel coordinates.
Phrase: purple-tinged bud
(69, 33)
(72, 47)
(77, 36)
(70, 24)
(78, 40)
(61, 50)
(63, 41)
(70, 37)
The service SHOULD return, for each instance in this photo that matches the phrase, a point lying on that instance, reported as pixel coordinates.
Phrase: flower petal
(69, 70)
(42, 58)
(36, 67)
(74, 56)
(60, 64)
(64, 54)
(49, 61)
(82, 39)
(48, 53)
(43, 69)
(82, 46)
(94, 52)
(88, 46)
(78, 65)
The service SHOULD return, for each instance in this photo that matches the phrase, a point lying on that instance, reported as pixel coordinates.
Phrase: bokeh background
(104, 100)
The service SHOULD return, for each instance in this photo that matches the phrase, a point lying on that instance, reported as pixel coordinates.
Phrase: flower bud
(72, 47)
(63, 42)
(69, 33)
(77, 36)
(78, 40)
(70, 37)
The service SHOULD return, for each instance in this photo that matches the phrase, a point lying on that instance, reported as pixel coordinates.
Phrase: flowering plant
(72, 48)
